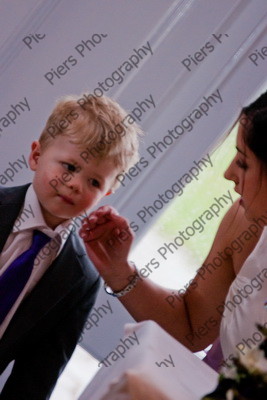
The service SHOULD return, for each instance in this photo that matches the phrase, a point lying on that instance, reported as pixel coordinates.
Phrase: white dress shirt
(20, 239)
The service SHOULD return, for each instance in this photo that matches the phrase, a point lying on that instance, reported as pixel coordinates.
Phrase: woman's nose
(230, 173)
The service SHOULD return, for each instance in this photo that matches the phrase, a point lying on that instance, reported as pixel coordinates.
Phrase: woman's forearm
(149, 301)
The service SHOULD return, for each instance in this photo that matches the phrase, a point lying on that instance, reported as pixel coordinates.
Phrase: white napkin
(156, 368)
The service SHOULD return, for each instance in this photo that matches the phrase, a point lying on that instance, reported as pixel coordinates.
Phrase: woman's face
(249, 177)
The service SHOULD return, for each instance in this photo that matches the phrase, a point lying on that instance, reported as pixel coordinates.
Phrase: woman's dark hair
(255, 127)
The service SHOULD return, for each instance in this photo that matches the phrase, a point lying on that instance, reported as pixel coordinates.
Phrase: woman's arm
(193, 319)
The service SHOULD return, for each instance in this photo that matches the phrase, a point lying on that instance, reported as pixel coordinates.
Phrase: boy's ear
(34, 155)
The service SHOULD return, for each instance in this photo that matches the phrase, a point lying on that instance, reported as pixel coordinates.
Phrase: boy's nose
(74, 184)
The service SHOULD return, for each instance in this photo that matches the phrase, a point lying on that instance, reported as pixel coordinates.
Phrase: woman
(209, 304)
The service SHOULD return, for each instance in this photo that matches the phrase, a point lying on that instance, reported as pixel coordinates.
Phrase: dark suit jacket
(46, 327)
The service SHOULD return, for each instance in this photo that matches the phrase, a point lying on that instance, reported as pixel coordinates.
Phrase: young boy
(85, 144)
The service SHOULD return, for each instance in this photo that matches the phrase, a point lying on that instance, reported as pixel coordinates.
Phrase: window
(178, 265)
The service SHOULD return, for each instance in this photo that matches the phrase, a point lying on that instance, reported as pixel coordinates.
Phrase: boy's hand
(108, 238)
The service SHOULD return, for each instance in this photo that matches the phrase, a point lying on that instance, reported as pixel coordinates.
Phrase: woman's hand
(108, 237)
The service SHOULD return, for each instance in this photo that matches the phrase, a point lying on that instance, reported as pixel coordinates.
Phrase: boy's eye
(69, 167)
(241, 164)
(94, 182)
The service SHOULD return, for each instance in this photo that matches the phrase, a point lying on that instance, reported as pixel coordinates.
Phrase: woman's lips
(66, 199)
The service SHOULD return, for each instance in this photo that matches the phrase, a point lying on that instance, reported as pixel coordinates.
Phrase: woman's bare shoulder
(239, 234)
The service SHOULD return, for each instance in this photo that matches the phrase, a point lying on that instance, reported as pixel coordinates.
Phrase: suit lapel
(60, 278)
(62, 275)
(11, 200)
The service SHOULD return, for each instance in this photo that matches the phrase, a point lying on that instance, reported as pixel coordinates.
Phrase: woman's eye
(241, 164)
(69, 167)
(95, 183)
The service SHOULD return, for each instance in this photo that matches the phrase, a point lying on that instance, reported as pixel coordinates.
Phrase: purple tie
(214, 357)
(15, 277)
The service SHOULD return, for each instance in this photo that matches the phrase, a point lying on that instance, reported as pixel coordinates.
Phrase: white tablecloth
(155, 366)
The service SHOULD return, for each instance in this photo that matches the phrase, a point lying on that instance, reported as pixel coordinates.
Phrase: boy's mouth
(66, 199)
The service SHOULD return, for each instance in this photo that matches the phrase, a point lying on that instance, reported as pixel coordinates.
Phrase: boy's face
(65, 185)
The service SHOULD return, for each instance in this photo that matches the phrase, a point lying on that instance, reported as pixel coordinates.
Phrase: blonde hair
(99, 125)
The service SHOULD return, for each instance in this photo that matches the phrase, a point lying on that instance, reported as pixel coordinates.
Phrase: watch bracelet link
(127, 288)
